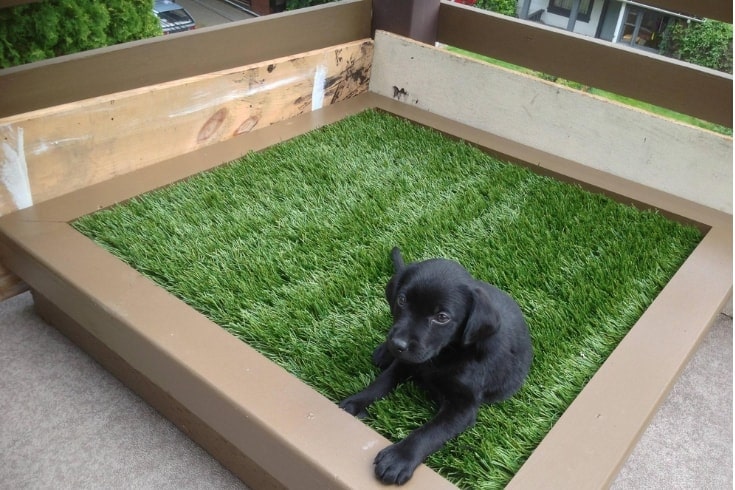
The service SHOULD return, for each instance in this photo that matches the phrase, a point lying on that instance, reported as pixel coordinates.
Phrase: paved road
(212, 12)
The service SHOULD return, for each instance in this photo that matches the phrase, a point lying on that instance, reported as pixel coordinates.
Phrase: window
(644, 28)
(564, 7)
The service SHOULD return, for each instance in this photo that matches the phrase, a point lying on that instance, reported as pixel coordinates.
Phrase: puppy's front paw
(395, 464)
(382, 356)
(354, 405)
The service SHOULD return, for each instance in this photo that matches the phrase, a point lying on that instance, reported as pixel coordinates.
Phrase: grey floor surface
(65, 423)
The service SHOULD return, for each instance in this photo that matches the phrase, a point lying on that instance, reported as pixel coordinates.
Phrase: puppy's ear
(482, 321)
(390, 291)
(398, 267)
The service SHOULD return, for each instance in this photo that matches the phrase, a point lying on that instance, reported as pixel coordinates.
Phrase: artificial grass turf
(288, 249)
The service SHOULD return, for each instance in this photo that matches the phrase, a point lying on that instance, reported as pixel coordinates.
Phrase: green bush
(41, 30)
(298, 4)
(505, 7)
(707, 43)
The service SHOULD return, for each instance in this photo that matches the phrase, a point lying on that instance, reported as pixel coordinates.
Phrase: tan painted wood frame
(271, 429)
(162, 59)
(686, 88)
(109, 72)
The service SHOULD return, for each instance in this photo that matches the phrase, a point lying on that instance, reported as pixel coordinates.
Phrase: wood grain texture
(678, 159)
(142, 63)
(75, 145)
(53, 151)
(669, 83)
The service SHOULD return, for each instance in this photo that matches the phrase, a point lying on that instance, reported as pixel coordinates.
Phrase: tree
(505, 7)
(41, 30)
(707, 43)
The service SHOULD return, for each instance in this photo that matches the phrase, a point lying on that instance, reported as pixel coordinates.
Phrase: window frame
(582, 16)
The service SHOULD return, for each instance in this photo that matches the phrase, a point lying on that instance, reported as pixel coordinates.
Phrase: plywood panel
(683, 87)
(632, 144)
(53, 151)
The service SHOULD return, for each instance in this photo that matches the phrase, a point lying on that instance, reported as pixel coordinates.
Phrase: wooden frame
(134, 66)
(165, 351)
(293, 437)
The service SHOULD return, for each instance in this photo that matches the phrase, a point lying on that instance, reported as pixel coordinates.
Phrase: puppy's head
(435, 303)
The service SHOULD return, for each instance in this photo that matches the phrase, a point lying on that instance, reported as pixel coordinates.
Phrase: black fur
(463, 340)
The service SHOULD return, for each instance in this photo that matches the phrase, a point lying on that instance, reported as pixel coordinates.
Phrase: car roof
(165, 6)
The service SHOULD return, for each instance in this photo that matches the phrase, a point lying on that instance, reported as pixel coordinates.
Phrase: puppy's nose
(399, 345)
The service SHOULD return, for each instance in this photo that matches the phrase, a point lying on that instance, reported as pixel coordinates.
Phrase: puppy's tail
(395, 254)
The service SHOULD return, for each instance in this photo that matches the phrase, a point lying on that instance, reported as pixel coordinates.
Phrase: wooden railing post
(417, 19)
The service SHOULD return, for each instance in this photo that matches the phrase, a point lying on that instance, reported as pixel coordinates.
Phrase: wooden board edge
(682, 87)
(716, 288)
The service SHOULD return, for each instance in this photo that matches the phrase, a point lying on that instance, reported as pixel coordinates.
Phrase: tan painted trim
(163, 402)
(711, 9)
(142, 63)
(686, 88)
(289, 432)
(295, 435)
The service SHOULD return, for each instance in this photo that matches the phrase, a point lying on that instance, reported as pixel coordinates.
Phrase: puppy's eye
(441, 318)
(401, 300)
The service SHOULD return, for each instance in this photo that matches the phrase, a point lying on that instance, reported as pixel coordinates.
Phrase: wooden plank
(683, 87)
(678, 159)
(416, 19)
(711, 9)
(68, 147)
(143, 63)
(53, 151)
(137, 322)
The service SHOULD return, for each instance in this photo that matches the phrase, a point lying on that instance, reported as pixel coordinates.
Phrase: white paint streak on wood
(43, 146)
(235, 95)
(320, 83)
(14, 171)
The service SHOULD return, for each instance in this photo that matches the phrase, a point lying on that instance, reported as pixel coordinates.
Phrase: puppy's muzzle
(397, 345)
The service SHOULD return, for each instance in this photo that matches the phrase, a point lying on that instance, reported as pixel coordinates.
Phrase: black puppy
(463, 340)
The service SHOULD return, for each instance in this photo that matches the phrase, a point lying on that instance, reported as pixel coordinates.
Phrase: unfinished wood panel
(641, 147)
(53, 151)
(57, 150)
(683, 87)
(142, 63)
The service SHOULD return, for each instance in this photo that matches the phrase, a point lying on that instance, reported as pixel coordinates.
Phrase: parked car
(173, 17)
